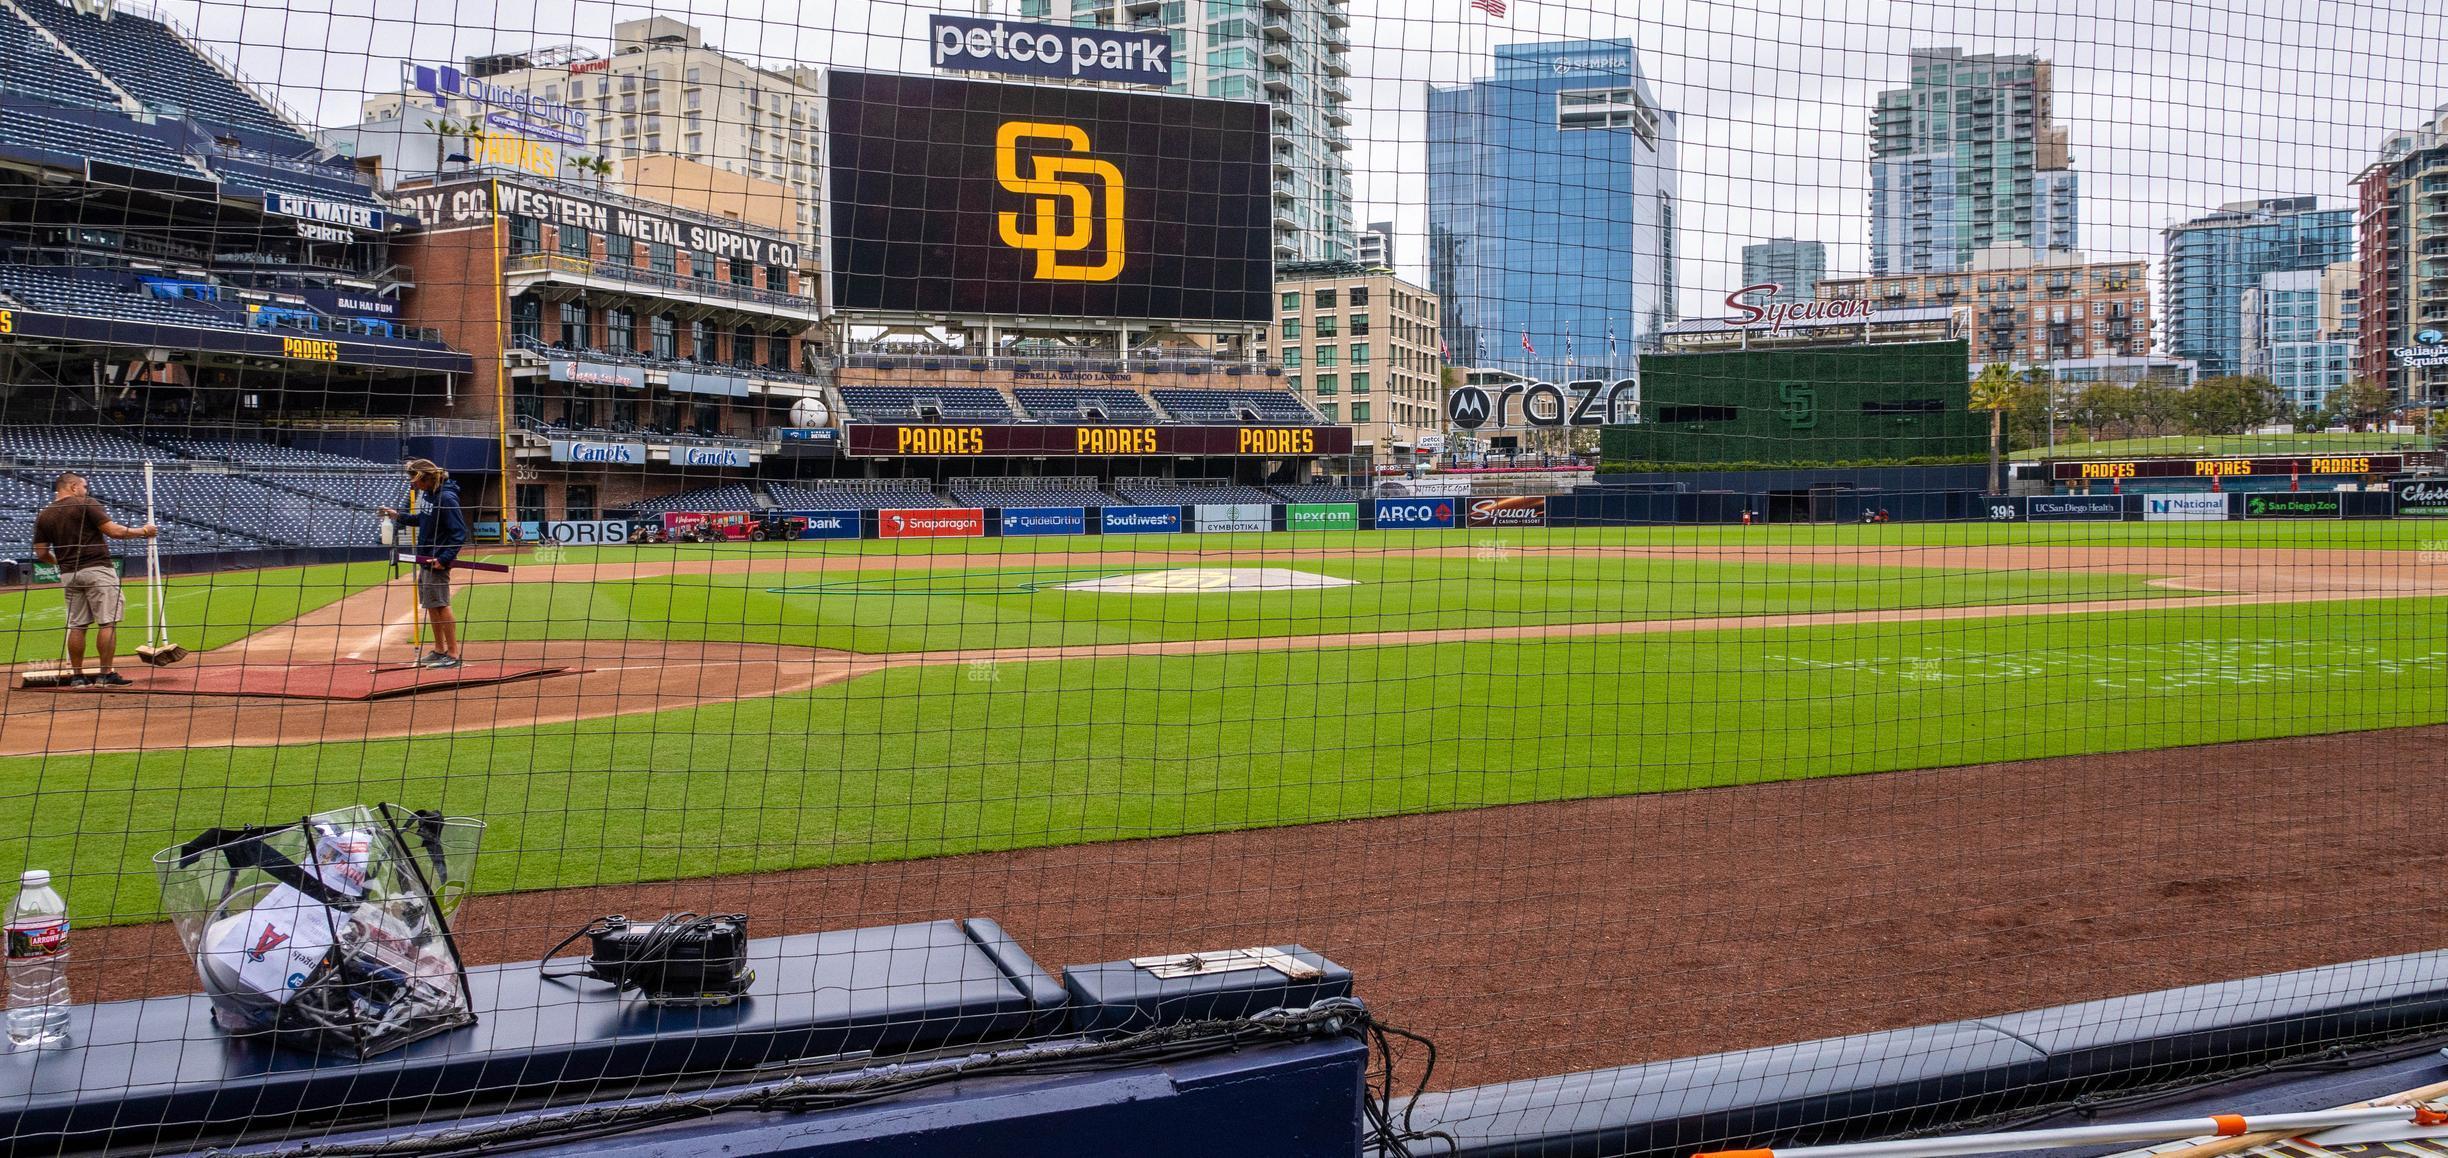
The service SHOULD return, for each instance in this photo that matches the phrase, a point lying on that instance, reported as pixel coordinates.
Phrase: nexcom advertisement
(972, 197)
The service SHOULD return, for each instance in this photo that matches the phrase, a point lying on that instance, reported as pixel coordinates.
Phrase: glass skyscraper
(2212, 260)
(1551, 211)
(1964, 157)
(1293, 54)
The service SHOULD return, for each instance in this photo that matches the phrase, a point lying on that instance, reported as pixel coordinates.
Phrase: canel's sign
(1779, 314)
(1590, 402)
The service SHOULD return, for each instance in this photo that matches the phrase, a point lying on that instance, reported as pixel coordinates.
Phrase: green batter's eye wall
(1852, 406)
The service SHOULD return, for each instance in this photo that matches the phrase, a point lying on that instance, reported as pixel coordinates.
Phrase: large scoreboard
(2118, 470)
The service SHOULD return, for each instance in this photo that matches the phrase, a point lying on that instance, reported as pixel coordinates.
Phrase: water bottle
(37, 926)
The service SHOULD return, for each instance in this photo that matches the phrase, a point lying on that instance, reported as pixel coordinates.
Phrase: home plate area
(316, 681)
(1208, 580)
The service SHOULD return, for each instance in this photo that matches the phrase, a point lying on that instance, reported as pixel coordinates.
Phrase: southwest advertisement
(976, 197)
(1139, 520)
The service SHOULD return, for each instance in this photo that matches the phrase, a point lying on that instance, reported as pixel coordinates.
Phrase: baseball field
(876, 730)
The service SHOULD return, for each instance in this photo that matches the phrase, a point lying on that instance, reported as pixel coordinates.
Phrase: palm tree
(1994, 391)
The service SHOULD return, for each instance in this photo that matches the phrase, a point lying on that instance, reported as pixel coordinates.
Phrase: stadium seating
(104, 294)
(1163, 492)
(1066, 404)
(1316, 493)
(31, 127)
(67, 446)
(861, 496)
(910, 404)
(327, 186)
(263, 454)
(731, 497)
(1030, 492)
(36, 68)
(1234, 406)
(159, 68)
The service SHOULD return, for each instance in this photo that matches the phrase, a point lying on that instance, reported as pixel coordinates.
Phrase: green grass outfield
(929, 761)
(2178, 445)
(205, 610)
(2342, 534)
(1016, 605)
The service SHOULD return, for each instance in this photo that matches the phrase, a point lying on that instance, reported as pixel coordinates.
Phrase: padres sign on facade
(976, 198)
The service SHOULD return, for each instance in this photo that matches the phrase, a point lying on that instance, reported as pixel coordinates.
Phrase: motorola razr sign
(1589, 402)
(1056, 51)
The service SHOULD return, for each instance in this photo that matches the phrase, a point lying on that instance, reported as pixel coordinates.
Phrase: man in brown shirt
(73, 534)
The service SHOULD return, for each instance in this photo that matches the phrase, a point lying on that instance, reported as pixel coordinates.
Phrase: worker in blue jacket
(441, 529)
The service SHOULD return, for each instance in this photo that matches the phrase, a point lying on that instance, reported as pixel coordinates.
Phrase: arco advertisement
(1417, 514)
(932, 523)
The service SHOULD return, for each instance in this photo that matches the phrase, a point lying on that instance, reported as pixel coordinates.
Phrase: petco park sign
(1050, 50)
(1778, 314)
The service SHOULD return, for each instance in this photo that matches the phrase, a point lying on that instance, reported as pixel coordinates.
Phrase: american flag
(1491, 7)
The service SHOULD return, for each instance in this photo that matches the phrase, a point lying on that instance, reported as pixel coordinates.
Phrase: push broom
(157, 650)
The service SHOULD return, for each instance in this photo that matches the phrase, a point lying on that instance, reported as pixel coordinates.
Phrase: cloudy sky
(2174, 107)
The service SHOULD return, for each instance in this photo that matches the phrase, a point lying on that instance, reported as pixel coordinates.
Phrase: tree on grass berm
(2232, 404)
(1994, 389)
(2358, 404)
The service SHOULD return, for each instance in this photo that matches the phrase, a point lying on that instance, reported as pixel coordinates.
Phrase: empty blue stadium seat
(1030, 492)
(1235, 406)
(37, 68)
(910, 404)
(852, 496)
(1316, 493)
(104, 294)
(733, 497)
(72, 446)
(1065, 404)
(25, 127)
(159, 68)
(1188, 492)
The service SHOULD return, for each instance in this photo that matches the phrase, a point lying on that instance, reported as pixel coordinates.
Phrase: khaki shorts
(433, 588)
(93, 597)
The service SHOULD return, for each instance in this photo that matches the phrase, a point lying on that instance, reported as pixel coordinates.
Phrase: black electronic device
(683, 959)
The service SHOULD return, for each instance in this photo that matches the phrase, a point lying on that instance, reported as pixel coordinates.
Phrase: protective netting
(1635, 531)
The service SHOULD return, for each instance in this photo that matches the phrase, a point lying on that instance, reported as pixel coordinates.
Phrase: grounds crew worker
(73, 534)
(441, 530)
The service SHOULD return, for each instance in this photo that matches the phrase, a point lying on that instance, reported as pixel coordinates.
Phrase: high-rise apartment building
(1552, 210)
(1360, 345)
(2299, 331)
(1293, 54)
(1796, 267)
(2025, 307)
(1376, 248)
(662, 90)
(2401, 242)
(1964, 157)
(2214, 259)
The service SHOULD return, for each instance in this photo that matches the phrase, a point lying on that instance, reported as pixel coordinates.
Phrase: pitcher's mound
(1206, 580)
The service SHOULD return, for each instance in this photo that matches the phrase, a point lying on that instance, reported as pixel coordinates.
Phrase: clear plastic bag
(331, 934)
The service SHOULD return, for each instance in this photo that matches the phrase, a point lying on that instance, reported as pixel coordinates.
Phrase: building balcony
(1337, 65)
(1276, 28)
(1285, 194)
(1336, 91)
(1336, 15)
(1278, 82)
(534, 270)
(1338, 114)
(1277, 53)
(1135, 7)
(1336, 140)
(1283, 164)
